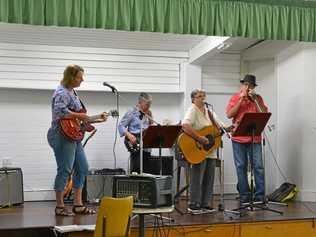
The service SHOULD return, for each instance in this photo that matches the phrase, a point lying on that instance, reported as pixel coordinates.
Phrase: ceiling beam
(209, 47)
(266, 50)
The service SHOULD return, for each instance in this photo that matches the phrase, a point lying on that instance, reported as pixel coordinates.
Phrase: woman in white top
(202, 174)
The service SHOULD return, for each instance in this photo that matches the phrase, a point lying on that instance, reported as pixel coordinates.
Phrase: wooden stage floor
(37, 218)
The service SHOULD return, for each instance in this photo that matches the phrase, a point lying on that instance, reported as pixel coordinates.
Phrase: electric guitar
(74, 129)
(195, 152)
(132, 148)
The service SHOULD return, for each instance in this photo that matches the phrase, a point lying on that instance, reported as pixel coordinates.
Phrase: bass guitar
(74, 129)
(195, 152)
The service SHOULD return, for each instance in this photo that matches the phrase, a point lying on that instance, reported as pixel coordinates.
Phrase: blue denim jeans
(69, 155)
(242, 154)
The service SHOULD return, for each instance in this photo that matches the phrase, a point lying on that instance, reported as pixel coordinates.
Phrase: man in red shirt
(246, 100)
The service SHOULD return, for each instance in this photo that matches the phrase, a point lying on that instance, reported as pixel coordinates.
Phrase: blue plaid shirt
(131, 122)
(63, 100)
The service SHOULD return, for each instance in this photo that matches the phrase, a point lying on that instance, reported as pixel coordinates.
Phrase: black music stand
(252, 124)
(158, 136)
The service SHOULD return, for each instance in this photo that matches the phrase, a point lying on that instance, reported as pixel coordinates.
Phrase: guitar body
(193, 151)
(74, 129)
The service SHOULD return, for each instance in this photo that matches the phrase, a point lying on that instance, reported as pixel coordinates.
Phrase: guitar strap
(213, 120)
(84, 107)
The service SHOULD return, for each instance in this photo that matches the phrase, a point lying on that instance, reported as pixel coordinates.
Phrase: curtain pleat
(262, 19)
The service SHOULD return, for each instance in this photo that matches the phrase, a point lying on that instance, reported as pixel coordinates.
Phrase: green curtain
(262, 19)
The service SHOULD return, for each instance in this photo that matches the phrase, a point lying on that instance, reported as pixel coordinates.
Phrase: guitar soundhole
(211, 142)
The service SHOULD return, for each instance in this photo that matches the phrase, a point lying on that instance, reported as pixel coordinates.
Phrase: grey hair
(195, 92)
(143, 96)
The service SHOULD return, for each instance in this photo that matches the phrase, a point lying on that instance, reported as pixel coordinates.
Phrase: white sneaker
(208, 209)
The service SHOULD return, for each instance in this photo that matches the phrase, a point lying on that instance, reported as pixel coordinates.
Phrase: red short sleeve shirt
(246, 106)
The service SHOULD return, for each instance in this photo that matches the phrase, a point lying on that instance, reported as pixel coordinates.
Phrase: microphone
(207, 104)
(112, 87)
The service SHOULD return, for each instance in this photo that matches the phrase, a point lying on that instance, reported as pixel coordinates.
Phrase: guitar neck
(112, 113)
(94, 117)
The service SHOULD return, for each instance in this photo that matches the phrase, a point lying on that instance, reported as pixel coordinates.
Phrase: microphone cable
(114, 91)
(274, 157)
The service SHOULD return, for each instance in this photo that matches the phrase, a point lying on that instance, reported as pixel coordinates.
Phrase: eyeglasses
(200, 96)
(148, 103)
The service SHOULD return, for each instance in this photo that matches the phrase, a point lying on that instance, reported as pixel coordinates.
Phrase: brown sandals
(63, 211)
(82, 210)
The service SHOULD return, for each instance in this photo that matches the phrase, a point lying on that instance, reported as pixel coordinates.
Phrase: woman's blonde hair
(70, 74)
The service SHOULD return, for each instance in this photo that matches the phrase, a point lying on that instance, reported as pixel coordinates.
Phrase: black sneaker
(208, 209)
(260, 200)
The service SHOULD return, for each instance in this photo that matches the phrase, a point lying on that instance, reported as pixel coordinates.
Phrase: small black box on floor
(147, 190)
(11, 186)
(99, 183)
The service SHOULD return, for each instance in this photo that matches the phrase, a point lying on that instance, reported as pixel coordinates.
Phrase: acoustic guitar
(74, 129)
(195, 152)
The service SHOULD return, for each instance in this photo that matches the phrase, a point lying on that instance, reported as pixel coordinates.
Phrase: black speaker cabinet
(11, 186)
(155, 166)
(99, 183)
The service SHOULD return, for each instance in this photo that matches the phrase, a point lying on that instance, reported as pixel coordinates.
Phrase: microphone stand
(116, 93)
(142, 116)
(264, 137)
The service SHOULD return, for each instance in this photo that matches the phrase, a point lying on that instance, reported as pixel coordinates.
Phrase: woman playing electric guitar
(69, 153)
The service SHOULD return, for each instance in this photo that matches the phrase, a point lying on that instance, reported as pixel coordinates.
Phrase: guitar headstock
(113, 113)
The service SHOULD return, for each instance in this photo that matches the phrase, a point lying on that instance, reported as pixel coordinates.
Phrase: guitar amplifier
(11, 186)
(99, 183)
(147, 190)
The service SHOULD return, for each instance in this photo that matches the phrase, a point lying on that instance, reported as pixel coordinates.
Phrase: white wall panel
(219, 102)
(296, 79)
(41, 67)
(221, 74)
